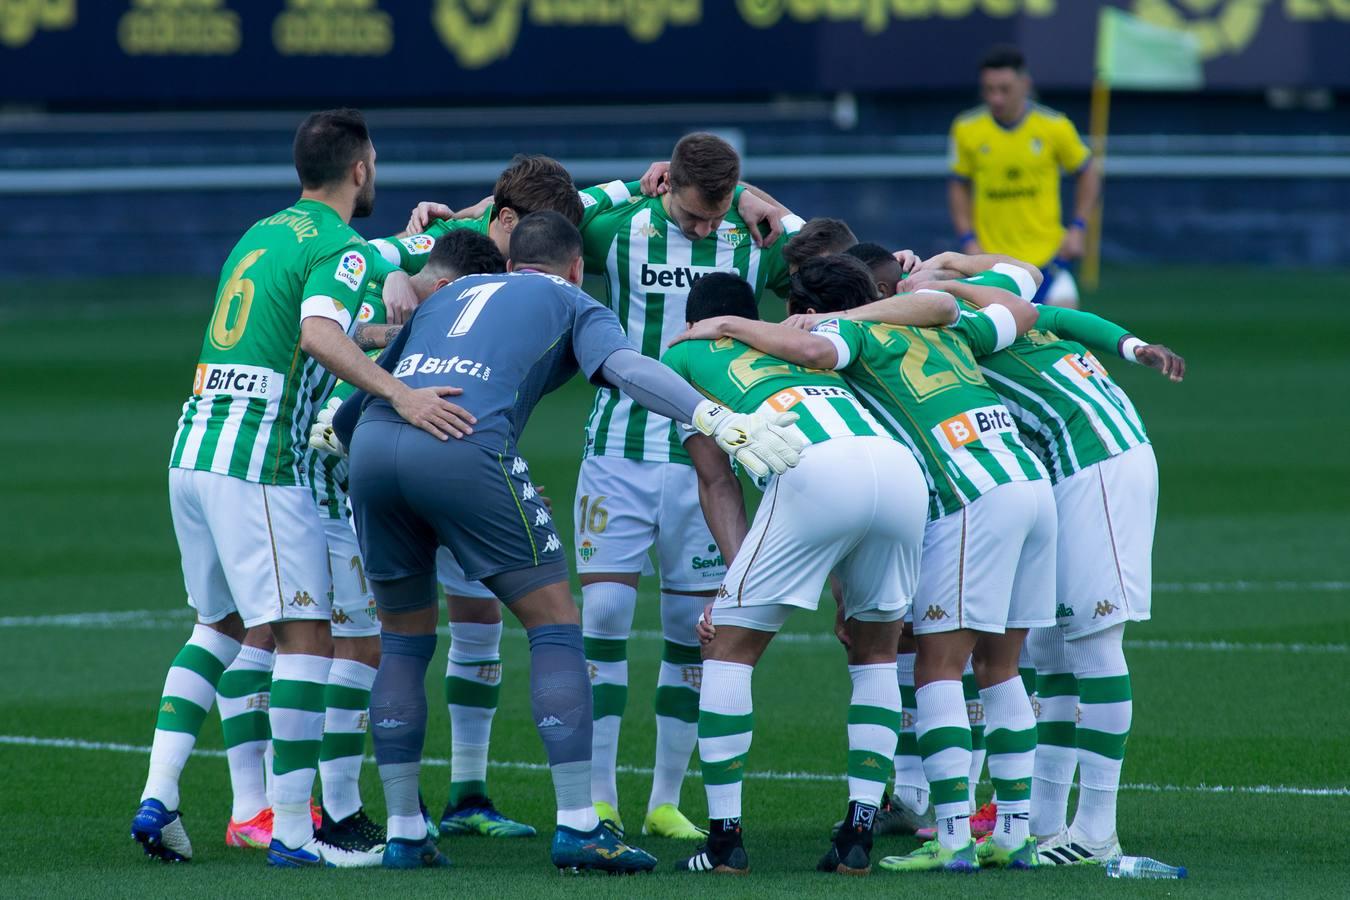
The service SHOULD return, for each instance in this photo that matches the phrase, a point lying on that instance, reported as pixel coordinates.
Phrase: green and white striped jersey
(328, 473)
(254, 390)
(747, 380)
(1069, 411)
(923, 384)
(649, 265)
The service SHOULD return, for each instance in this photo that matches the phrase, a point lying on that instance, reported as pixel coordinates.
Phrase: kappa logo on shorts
(1104, 609)
(587, 551)
(519, 466)
(303, 599)
(971, 426)
(541, 517)
(935, 613)
(340, 617)
(1063, 611)
(552, 544)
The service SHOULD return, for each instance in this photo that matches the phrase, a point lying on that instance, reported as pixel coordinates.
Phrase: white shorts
(254, 549)
(990, 566)
(451, 576)
(353, 603)
(625, 507)
(1106, 518)
(855, 503)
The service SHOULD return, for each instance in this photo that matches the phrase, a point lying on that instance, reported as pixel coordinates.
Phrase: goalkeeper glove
(762, 444)
(321, 436)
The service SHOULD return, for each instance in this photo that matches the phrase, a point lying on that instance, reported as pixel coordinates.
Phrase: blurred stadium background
(139, 138)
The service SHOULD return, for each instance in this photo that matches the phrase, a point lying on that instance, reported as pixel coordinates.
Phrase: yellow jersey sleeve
(960, 151)
(1070, 151)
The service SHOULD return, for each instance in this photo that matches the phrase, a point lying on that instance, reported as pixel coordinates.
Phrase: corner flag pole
(1098, 122)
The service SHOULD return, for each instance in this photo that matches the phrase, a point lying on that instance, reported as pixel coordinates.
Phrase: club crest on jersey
(734, 236)
(418, 244)
(659, 278)
(350, 269)
(969, 427)
(366, 313)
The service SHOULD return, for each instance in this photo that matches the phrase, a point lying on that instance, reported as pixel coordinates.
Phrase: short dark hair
(1004, 56)
(818, 237)
(533, 183)
(464, 252)
(869, 253)
(721, 294)
(545, 238)
(706, 163)
(326, 145)
(831, 284)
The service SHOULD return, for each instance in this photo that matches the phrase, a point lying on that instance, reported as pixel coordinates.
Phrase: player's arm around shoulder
(996, 302)
(789, 344)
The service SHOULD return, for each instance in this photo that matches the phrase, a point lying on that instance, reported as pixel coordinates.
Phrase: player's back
(253, 389)
(924, 383)
(506, 340)
(748, 380)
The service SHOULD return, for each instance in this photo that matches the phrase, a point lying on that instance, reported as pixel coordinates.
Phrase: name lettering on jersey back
(302, 225)
(421, 364)
(659, 278)
(238, 381)
(973, 425)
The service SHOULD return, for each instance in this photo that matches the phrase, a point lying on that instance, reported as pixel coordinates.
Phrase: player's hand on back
(806, 321)
(654, 182)
(756, 211)
(399, 298)
(761, 443)
(1156, 356)
(702, 330)
(423, 213)
(908, 260)
(428, 409)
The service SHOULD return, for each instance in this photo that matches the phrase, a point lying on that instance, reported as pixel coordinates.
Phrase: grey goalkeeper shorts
(412, 493)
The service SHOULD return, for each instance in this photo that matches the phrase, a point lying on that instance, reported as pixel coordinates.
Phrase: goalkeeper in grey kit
(504, 340)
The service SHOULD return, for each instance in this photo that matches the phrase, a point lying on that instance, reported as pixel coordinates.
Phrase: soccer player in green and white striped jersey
(243, 514)
(988, 552)
(1090, 437)
(855, 505)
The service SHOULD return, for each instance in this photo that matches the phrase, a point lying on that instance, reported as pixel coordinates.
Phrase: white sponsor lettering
(662, 279)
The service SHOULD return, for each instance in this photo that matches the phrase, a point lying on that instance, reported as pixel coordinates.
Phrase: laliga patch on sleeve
(350, 269)
(366, 313)
(418, 244)
(587, 201)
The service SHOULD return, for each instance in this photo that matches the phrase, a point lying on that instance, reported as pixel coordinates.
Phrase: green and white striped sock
(677, 691)
(345, 724)
(189, 691)
(1105, 708)
(243, 694)
(607, 662)
(473, 685)
(911, 787)
(944, 742)
(296, 715)
(873, 728)
(726, 722)
(1011, 740)
(1056, 711)
(975, 715)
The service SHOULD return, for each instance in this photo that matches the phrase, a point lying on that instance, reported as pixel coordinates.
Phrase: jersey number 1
(477, 296)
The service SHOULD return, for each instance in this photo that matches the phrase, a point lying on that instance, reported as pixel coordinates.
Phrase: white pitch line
(149, 619)
(1282, 790)
(1251, 587)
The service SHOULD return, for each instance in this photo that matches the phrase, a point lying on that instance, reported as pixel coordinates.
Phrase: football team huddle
(954, 462)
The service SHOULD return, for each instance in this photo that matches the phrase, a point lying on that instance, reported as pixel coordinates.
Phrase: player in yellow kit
(1007, 157)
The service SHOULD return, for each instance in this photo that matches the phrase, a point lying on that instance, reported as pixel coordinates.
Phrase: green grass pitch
(1239, 680)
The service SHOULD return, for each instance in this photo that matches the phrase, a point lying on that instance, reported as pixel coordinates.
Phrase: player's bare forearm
(324, 340)
(927, 308)
(375, 337)
(1087, 190)
(967, 264)
(788, 344)
(719, 494)
(982, 295)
